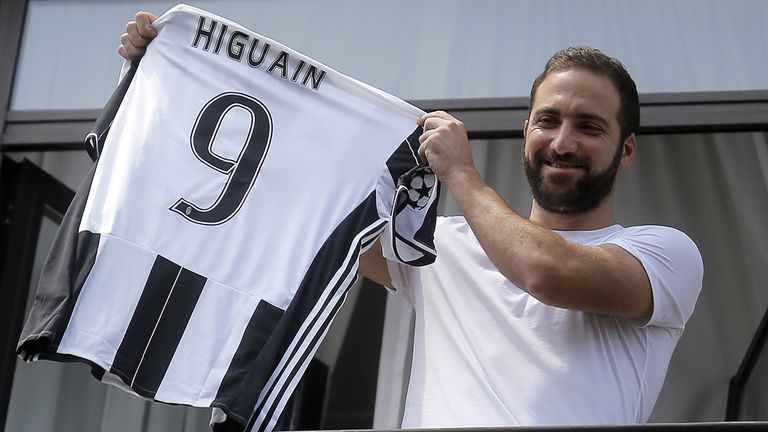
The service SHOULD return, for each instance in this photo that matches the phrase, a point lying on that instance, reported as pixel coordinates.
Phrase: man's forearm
(520, 249)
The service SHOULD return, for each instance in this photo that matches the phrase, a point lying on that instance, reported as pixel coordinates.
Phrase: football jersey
(215, 238)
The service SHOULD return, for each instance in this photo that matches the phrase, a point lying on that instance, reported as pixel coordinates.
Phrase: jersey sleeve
(407, 193)
(95, 139)
(674, 267)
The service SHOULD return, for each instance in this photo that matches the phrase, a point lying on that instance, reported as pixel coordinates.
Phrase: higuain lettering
(217, 38)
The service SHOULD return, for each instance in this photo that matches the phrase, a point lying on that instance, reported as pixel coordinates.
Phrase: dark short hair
(595, 61)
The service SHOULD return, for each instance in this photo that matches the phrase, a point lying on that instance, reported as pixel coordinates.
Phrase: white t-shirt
(204, 258)
(486, 353)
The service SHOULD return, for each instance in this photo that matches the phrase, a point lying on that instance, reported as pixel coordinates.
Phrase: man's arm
(605, 279)
(373, 265)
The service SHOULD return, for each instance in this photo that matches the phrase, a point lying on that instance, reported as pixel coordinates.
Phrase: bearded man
(565, 317)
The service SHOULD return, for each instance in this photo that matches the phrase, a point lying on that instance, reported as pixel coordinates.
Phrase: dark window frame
(29, 195)
(485, 118)
(12, 16)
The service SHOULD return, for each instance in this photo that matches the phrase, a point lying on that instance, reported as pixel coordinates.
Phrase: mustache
(551, 156)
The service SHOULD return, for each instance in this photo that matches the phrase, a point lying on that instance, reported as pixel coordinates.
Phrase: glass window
(419, 50)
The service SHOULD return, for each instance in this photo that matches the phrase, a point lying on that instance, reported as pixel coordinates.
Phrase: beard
(564, 195)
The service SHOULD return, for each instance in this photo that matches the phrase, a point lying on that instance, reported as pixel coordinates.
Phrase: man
(561, 318)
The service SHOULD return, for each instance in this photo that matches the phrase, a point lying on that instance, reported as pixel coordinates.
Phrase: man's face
(572, 142)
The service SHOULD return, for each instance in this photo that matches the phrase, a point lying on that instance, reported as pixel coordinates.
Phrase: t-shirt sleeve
(407, 193)
(674, 267)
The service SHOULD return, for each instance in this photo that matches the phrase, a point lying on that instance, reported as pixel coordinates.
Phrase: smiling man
(564, 317)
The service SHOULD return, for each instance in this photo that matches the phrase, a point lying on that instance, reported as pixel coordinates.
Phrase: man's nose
(565, 140)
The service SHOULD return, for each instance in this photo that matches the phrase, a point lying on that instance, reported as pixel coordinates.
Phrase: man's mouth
(564, 165)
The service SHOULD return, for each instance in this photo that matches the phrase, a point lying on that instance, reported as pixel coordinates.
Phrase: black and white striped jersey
(218, 233)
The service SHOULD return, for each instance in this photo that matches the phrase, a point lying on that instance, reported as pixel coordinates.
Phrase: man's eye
(546, 121)
(591, 128)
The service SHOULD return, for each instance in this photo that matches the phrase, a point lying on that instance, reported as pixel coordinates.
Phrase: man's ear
(628, 152)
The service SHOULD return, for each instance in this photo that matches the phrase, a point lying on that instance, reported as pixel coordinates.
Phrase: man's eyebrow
(547, 110)
(593, 117)
(581, 116)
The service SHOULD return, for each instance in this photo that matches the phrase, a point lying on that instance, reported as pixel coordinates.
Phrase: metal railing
(739, 381)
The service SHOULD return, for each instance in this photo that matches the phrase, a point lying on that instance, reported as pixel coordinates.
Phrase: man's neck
(599, 217)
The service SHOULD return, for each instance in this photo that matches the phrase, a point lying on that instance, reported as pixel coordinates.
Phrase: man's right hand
(138, 33)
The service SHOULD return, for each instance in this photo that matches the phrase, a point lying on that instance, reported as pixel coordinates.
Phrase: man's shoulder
(654, 233)
(660, 240)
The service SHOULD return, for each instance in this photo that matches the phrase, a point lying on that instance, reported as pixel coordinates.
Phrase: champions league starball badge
(419, 182)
